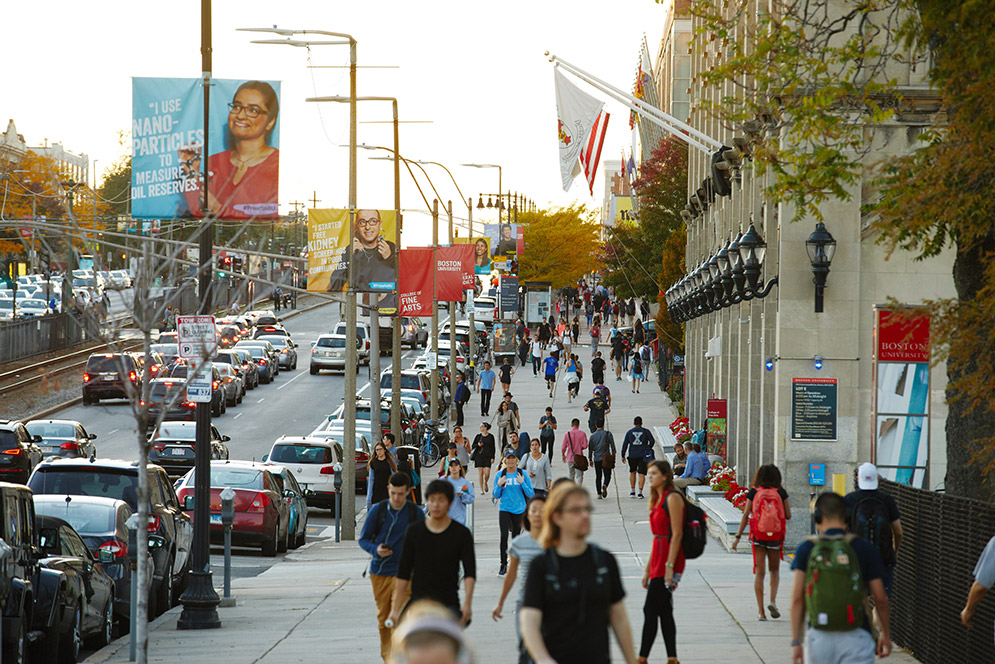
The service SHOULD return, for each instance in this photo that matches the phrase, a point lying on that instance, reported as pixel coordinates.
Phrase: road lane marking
(238, 416)
(261, 400)
(112, 431)
(291, 380)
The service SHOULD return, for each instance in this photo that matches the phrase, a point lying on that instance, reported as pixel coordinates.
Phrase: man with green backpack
(833, 574)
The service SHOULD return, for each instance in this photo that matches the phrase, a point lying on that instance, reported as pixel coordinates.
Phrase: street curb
(78, 400)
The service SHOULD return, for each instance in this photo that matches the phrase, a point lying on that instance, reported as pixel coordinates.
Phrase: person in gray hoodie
(601, 443)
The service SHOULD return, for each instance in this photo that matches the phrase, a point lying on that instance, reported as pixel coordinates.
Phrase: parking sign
(199, 381)
(196, 336)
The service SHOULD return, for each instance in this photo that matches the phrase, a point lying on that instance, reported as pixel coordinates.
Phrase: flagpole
(659, 117)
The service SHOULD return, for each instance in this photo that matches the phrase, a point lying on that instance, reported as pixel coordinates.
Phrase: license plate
(178, 451)
(216, 518)
(108, 378)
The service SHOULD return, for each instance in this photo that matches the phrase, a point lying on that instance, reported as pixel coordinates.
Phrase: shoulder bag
(579, 460)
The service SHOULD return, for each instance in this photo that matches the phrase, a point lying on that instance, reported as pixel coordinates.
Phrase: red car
(262, 515)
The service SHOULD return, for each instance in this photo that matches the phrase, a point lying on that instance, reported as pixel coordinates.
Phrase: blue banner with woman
(168, 142)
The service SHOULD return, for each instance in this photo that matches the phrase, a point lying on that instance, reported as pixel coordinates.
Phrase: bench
(696, 492)
(723, 520)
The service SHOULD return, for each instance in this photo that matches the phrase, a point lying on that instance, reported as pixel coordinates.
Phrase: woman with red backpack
(768, 512)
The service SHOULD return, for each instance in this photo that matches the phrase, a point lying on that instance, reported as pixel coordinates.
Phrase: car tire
(314, 370)
(106, 634)
(269, 544)
(294, 367)
(239, 398)
(86, 400)
(72, 641)
(166, 591)
(283, 543)
(302, 538)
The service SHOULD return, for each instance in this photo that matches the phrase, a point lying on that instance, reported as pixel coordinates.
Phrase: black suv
(173, 447)
(110, 376)
(170, 529)
(36, 603)
(18, 452)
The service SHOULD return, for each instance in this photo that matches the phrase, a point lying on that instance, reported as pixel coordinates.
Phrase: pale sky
(476, 70)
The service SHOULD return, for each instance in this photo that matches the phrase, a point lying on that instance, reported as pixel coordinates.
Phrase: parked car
(243, 364)
(36, 603)
(110, 376)
(174, 446)
(329, 352)
(32, 308)
(335, 433)
(19, 452)
(89, 588)
(228, 336)
(102, 523)
(265, 366)
(231, 381)
(270, 351)
(169, 394)
(362, 333)
(296, 501)
(410, 380)
(313, 462)
(157, 365)
(484, 309)
(262, 516)
(170, 530)
(62, 438)
(414, 332)
(219, 404)
(270, 331)
(286, 348)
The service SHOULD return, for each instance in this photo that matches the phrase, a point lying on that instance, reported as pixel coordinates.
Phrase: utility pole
(395, 354)
(348, 515)
(435, 312)
(473, 326)
(200, 601)
(452, 324)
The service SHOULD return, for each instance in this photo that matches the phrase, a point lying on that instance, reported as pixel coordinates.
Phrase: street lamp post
(352, 357)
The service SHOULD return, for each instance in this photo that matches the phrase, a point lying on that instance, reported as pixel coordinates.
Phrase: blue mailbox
(817, 474)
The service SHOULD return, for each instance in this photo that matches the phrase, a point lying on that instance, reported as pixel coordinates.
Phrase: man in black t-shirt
(598, 408)
(432, 553)
(867, 492)
(598, 368)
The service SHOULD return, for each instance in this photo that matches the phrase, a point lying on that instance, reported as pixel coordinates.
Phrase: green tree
(561, 245)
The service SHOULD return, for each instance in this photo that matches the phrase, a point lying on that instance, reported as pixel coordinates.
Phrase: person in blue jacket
(383, 536)
(462, 489)
(513, 488)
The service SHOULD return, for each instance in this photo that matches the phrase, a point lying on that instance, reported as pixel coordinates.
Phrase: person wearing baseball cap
(513, 488)
(873, 515)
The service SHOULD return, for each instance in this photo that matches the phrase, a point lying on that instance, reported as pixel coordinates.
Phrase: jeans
(509, 523)
(599, 471)
(485, 401)
(659, 605)
(575, 474)
(535, 365)
(546, 446)
(590, 317)
(459, 413)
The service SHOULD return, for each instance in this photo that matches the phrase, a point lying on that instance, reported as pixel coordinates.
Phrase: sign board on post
(814, 408)
(199, 381)
(715, 433)
(196, 336)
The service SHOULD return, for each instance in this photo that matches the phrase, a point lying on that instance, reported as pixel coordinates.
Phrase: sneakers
(632, 494)
(503, 570)
(600, 496)
(641, 495)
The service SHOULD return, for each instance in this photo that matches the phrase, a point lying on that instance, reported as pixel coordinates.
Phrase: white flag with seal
(576, 113)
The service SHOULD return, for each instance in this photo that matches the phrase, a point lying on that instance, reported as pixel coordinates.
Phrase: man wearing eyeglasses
(375, 256)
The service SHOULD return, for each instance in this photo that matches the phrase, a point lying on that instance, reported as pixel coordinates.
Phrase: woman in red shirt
(666, 561)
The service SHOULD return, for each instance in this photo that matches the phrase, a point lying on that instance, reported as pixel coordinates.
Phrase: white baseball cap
(867, 476)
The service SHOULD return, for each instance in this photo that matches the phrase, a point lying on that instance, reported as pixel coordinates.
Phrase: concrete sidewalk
(317, 606)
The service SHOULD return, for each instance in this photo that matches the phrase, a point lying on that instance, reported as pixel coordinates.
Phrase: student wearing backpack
(573, 591)
(873, 515)
(768, 513)
(824, 591)
(513, 488)
(636, 372)
(383, 539)
(666, 561)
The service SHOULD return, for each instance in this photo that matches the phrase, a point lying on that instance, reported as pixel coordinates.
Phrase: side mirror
(93, 436)
(36, 439)
(225, 438)
(187, 502)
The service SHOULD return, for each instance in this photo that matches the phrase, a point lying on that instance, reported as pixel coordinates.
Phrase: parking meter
(227, 521)
(337, 483)
(132, 524)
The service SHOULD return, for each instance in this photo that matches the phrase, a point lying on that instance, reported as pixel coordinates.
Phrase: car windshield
(84, 481)
(237, 478)
(52, 429)
(300, 453)
(8, 440)
(161, 390)
(33, 304)
(279, 342)
(106, 364)
(408, 381)
(166, 350)
(331, 342)
(86, 519)
(365, 413)
(255, 351)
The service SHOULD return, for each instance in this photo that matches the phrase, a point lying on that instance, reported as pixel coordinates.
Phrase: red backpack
(768, 522)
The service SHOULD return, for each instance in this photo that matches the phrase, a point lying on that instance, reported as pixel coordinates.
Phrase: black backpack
(695, 531)
(637, 365)
(553, 569)
(869, 520)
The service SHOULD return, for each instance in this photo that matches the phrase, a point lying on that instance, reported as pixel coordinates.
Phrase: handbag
(608, 461)
(579, 460)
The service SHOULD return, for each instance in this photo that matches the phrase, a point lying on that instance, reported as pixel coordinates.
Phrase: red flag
(453, 263)
(415, 282)
(591, 154)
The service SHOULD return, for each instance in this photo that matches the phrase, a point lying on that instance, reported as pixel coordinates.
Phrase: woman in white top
(539, 469)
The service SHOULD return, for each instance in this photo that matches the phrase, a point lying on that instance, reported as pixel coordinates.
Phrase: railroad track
(31, 373)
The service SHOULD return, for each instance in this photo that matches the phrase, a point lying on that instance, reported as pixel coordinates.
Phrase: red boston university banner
(455, 269)
(902, 336)
(415, 282)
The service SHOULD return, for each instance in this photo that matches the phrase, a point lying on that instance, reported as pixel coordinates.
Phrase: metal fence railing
(26, 338)
(943, 537)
